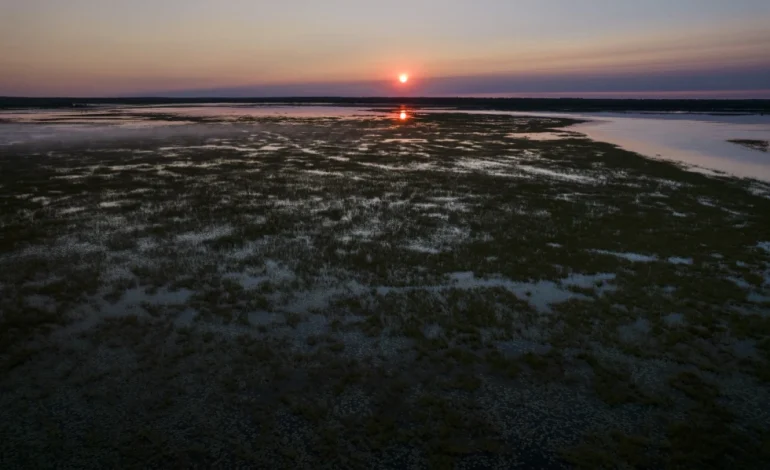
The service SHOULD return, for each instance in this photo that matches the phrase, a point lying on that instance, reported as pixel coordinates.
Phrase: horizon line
(663, 96)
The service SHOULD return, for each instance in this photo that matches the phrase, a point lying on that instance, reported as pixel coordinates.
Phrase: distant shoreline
(709, 106)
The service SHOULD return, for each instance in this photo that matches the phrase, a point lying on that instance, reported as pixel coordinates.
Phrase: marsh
(351, 289)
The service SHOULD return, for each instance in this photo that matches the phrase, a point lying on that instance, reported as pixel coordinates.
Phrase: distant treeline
(513, 104)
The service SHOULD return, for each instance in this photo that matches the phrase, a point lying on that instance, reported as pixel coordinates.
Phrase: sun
(403, 78)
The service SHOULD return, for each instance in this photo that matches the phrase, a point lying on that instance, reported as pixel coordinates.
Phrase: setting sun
(403, 78)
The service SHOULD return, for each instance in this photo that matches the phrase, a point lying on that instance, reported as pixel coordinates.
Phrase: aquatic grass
(272, 262)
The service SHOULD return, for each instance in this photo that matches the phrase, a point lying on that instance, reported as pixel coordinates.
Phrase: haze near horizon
(590, 48)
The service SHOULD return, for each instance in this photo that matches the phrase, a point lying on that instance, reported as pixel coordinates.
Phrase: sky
(607, 48)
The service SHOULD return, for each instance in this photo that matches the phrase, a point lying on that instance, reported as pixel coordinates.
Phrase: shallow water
(699, 140)
(106, 114)
(694, 140)
(235, 111)
(34, 125)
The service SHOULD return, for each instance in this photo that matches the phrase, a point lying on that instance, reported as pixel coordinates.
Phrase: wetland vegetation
(446, 291)
(761, 145)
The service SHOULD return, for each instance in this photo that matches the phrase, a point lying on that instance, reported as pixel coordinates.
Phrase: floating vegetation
(761, 145)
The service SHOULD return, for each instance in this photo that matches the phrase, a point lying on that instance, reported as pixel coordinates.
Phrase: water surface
(697, 140)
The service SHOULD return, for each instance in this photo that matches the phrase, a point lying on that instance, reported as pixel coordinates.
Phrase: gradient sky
(702, 48)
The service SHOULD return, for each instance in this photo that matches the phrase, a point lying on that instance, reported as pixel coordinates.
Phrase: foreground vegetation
(451, 290)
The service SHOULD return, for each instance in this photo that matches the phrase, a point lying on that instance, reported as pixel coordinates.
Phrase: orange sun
(403, 78)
